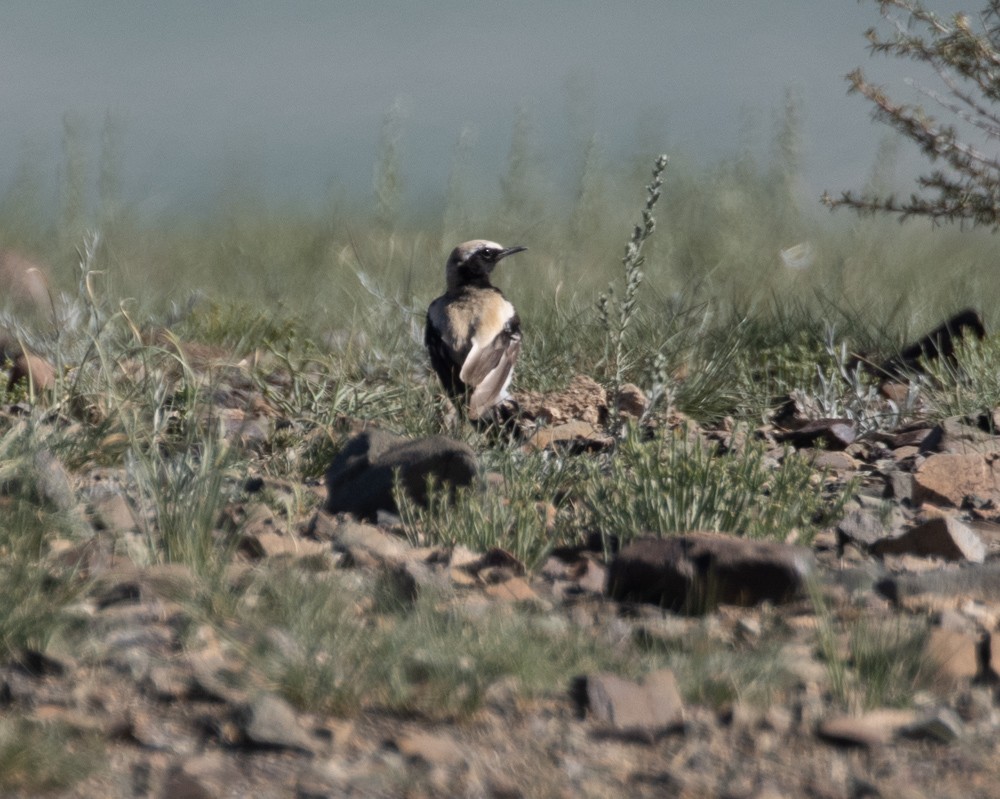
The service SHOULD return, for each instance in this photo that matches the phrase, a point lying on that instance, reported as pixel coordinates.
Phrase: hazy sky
(292, 93)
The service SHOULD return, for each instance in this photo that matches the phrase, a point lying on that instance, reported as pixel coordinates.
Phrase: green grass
(677, 485)
(326, 305)
(42, 758)
(341, 648)
(37, 591)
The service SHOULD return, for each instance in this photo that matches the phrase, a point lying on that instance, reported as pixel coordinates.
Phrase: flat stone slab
(876, 728)
(651, 707)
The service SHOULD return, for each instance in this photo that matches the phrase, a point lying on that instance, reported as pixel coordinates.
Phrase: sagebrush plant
(616, 318)
(677, 484)
(846, 391)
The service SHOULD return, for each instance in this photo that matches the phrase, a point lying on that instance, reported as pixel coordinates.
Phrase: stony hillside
(199, 625)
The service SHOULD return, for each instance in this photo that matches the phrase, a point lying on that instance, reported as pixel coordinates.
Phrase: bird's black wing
(447, 370)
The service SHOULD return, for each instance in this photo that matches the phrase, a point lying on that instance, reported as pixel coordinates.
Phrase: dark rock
(925, 439)
(945, 538)
(201, 777)
(360, 479)
(693, 573)
(939, 343)
(834, 434)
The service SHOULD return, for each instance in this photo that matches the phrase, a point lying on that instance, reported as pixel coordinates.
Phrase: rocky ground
(163, 701)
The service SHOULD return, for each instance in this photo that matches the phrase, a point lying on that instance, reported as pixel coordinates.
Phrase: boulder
(628, 708)
(945, 538)
(361, 478)
(947, 479)
(695, 572)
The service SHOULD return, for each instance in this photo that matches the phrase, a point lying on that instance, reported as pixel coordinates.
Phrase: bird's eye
(488, 253)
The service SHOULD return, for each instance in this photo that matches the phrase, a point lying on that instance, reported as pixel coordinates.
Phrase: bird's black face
(481, 262)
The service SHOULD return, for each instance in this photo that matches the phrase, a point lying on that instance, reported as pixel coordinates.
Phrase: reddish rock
(37, 373)
(577, 436)
(872, 729)
(954, 654)
(516, 589)
(632, 401)
(948, 479)
(24, 284)
(584, 399)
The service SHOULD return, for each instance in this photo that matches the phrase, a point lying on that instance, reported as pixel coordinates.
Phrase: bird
(473, 333)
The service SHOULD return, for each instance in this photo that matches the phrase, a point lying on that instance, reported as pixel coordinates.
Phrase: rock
(833, 434)
(860, 526)
(948, 479)
(36, 372)
(430, 748)
(632, 401)
(925, 439)
(270, 722)
(695, 572)
(645, 709)
(360, 480)
(362, 543)
(584, 399)
(111, 511)
(273, 545)
(942, 726)
(202, 777)
(900, 485)
(516, 589)
(993, 657)
(945, 538)
(872, 729)
(976, 581)
(954, 654)
(833, 461)
(402, 583)
(24, 285)
(962, 435)
(576, 437)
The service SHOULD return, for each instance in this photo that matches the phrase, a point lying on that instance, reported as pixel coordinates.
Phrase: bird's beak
(509, 251)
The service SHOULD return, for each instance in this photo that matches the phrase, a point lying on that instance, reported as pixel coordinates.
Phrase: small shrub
(675, 484)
